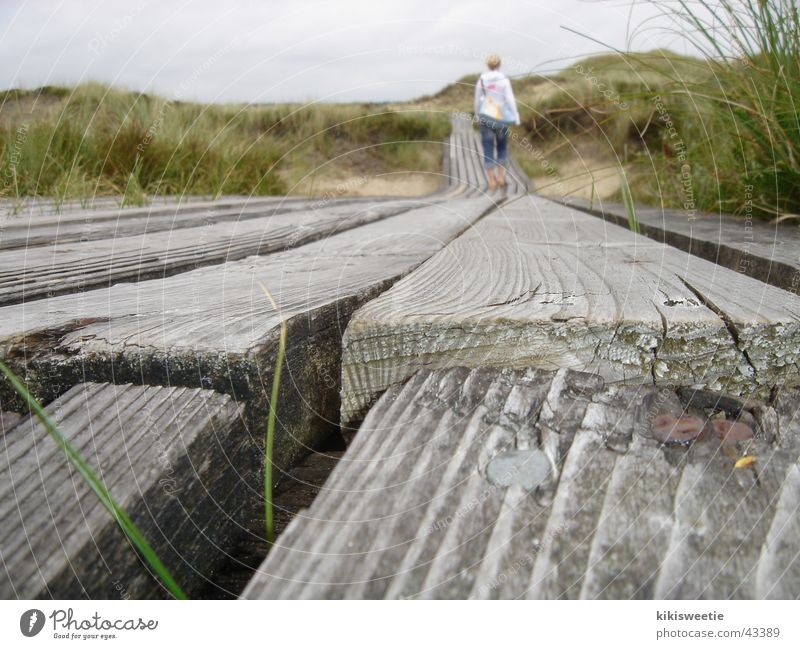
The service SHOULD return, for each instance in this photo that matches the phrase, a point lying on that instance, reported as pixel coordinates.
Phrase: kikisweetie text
(678, 616)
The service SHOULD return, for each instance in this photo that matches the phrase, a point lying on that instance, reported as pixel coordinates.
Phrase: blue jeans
(494, 133)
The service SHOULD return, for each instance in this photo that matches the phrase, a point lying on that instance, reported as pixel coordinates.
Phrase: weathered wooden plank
(517, 179)
(170, 456)
(448, 172)
(8, 420)
(462, 155)
(761, 319)
(26, 230)
(540, 284)
(778, 570)
(753, 247)
(376, 458)
(473, 171)
(293, 494)
(41, 205)
(412, 510)
(558, 559)
(633, 523)
(310, 551)
(214, 327)
(521, 528)
(69, 267)
(517, 182)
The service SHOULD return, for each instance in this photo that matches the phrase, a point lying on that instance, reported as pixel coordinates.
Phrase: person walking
(496, 109)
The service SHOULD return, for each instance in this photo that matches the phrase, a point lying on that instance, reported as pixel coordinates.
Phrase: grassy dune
(718, 132)
(580, 126)
(95, 140)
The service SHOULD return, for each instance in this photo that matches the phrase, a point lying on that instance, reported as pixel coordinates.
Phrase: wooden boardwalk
(535, 471)
(463, 163)
(491, 342)
(68, 266)
(31, 229)
(490, 483)
(40, 206)
(214, 327)
(537, 284)
(170, 296)
(769, 252)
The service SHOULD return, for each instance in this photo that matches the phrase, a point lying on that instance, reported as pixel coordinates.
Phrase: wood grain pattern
(409, 512)
(536, 283)
(39, 205)
(170, 456)
(213, 327)
(70, 267)
(28, 229)
(753, 247)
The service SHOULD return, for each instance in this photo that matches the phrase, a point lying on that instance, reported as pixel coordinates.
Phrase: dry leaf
(744, 462)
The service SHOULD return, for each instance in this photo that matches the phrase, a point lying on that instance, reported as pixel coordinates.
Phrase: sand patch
(401, 183)
(578, 176)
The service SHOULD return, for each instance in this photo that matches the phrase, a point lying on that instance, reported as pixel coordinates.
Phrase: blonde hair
(493, 61)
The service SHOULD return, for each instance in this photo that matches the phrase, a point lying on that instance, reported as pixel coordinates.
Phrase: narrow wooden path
(75, 266)
(41, 206)
(507, 355)
(169, 296)
(500, 483)
(30, 229)
(214, 326)
(511, 390)
(463, 163)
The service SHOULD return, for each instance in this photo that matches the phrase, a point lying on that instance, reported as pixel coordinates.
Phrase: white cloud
(243, 50)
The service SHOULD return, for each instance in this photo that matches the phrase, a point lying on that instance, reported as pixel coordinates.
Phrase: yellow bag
(489, 107)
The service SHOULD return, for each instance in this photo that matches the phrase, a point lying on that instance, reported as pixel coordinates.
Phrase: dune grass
(630, 207)
(128, 527)
(95, 140)
(742, 123)
(719, 133)
(269, 441)
(715, 132)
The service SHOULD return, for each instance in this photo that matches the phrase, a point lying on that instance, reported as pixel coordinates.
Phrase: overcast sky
(297, 50)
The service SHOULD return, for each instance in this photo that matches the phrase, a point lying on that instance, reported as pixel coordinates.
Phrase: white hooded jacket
(498, 87)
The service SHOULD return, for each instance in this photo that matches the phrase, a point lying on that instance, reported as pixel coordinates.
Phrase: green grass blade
(630, 208)
(269, 442)
(128, 527)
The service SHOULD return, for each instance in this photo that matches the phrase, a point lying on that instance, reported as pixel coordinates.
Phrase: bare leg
(490, 173)
(500, 175)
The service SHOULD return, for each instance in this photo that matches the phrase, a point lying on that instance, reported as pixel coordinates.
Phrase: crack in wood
(729, 325)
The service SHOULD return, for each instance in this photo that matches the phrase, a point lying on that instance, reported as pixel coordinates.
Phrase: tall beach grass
(739, 121)
(96, 140)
